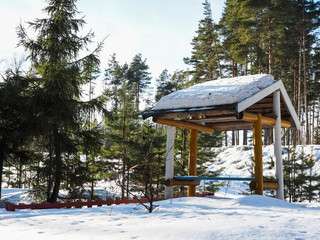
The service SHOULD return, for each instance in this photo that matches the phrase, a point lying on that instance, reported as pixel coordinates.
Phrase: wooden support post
(277, 144)
(258, 167)
(171, 131)
(193, 160)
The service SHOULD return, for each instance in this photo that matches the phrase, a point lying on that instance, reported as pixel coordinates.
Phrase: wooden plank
(192, 171)
(199, 113)
(184, 124)
(226, 118)
(243, 105)
(211, 113)
(265, 120)
(175, 182)
(261, 105)
(258, 167)
(241, 125)
(13, 207)
(288, 104)
(268, 184)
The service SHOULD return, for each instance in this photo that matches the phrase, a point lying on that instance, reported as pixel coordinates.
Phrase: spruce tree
(17, 124)
(54, 55)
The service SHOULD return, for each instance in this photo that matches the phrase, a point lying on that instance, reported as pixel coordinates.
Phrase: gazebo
(246, 102)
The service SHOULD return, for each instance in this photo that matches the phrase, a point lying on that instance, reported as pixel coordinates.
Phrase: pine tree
(115, 74)
(167, 83)
(120, 129)
(139, 77)
(205, 55)
(149, 159)
(54, 55)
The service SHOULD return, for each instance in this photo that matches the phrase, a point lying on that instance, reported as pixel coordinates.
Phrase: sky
(161, 30)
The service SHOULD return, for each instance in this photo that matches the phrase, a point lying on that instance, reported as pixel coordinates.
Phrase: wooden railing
(13, 207)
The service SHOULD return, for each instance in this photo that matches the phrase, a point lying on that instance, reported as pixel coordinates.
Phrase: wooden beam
(243, 105)
(251, 117)
(258, 167)
(226, 118)
(175, 182)
(268, 184)
(194, 113)
(184, 124)
(228, 126)
(193, 160)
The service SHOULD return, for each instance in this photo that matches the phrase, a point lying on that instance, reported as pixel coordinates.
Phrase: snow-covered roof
(219, 103)
(217, 92)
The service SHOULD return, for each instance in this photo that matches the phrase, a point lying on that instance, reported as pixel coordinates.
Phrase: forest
(53, 138)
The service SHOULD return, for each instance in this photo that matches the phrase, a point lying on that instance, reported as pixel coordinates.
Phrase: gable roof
(218, 103)
(217, 92)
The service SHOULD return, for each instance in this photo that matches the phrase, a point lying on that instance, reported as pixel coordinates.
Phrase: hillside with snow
(237, 161)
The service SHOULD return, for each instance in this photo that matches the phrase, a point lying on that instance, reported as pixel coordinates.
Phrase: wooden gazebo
(247, 102)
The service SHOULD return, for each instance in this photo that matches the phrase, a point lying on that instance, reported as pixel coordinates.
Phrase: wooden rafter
(184, 124)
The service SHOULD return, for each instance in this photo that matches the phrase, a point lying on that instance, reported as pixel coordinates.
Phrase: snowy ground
(235, 217)
(250, 217)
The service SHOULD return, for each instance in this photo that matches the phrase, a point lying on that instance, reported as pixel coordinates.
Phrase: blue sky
(161, 30)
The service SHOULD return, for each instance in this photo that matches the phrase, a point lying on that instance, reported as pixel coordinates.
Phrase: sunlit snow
(217, 92)
(229, 215)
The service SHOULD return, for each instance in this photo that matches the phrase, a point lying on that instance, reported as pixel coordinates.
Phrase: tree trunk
(218, 60)
(313, 113)
(137, 97)
(233, 138)
(246, 67)
(318, 124)
(270, 43)
(20, 176)
(58, 168)
(1, 169)
(92, 180)
(226, 138)
(124, 151)
(299, 84)
(305, 86)
(49, 180)
(245, 137)
(57, 180)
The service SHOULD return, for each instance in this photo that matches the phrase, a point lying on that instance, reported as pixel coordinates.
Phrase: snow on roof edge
(217, 92)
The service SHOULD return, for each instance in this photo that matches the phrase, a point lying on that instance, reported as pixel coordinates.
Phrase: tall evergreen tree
(115, 74)
(139, 77)
(120, 129)
(54, 55)
(16, 120)
(205, 54)
(166, 84)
